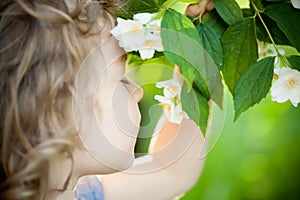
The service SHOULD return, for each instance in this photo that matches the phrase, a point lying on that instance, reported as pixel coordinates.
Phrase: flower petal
(146, 53)
(280, 92)
(162, 99)
(296, 3)
(144, 18)
(167, 83)
(295, 96)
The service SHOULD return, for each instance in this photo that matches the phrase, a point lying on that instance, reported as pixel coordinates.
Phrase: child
(46, 146)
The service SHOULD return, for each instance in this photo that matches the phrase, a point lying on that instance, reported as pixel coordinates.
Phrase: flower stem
(265, 26)
(257, 12)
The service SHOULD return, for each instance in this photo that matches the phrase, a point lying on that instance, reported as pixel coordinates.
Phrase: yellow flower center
(173, 88)
(292, 83)
(165, 106)
(134, 29)
(150, 43)
(276, 77)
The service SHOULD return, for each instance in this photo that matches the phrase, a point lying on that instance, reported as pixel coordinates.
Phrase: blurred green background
(257, 157)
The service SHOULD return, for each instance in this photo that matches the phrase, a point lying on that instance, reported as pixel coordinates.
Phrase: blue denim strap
(89, 188)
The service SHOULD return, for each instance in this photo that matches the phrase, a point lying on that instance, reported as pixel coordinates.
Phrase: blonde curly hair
(40, 53)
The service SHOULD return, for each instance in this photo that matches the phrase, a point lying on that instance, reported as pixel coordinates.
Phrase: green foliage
(188, 53)
(287, 19)
(215, 23)
(253, 85)
(224, 40)
(177, 27)
(176, 31)
(196, 106)
(295, 62)
(277, 34)
(210, 44)
(240, 50)
(229, 10)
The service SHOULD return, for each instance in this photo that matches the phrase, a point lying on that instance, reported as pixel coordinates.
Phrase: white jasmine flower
(172, 88)
(171, 100)
(130, 34)
(141, 34)
(296, 3)
(287, 86)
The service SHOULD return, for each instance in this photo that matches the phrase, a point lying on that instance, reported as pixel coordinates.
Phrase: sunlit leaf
(183, 46)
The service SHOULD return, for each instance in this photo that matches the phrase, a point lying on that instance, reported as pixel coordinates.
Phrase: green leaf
(247, 12)
(200, 85)
(229, 10)
(277, 34)
(137, 6)
(176, 21)
(295, 62)
(239, 50)
(214, 22)
(253, 85)
(287, 18)
(176, 28)
(196, 107)
(211, 44)
(182, 45)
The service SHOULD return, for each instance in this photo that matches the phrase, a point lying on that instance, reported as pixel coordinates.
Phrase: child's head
(42, 45)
